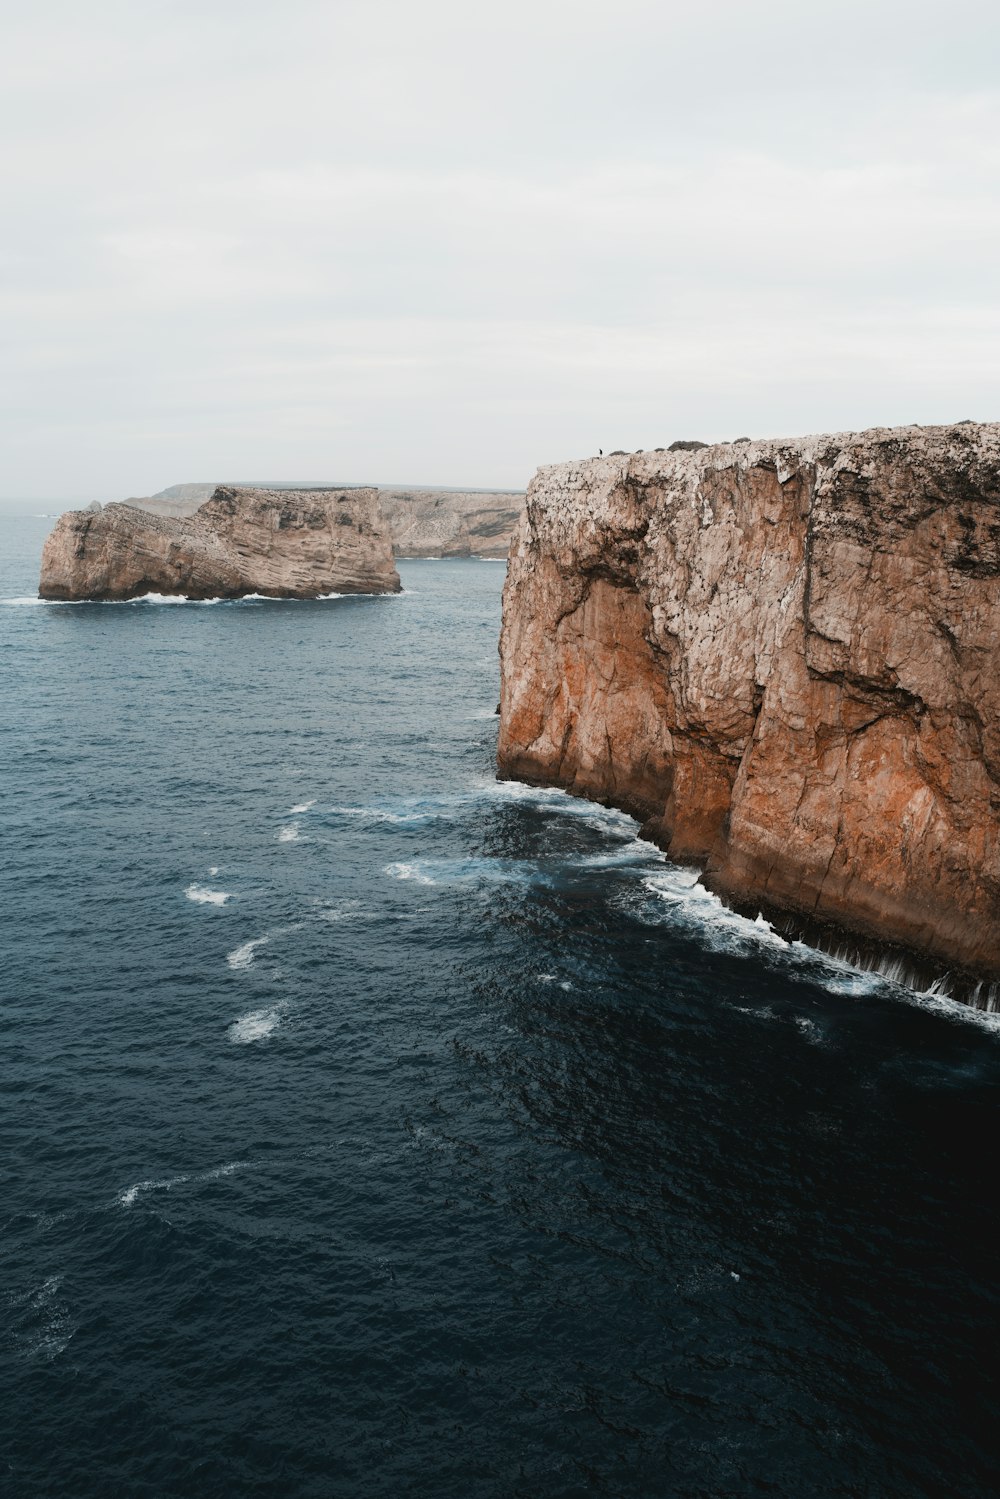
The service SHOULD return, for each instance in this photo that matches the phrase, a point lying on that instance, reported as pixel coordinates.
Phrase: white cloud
(445, 243)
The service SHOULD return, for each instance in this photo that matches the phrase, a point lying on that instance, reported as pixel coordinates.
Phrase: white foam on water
(546, 978)
(378, 814)
(690, 903)
(242, 957)
(636, 851)
(555, 799)
(289, 834)
(130, 1196)
(302, 807)
(206, 897)
(759, 1012)
(485, 713)
(160, 598)
(683, 892)
(408, 872)
(810, 1030)
(226, 1170)
(256, 1026)
(213, 871)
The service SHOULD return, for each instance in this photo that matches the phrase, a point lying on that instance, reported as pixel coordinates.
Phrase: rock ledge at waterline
(782, 656)
(282, 543)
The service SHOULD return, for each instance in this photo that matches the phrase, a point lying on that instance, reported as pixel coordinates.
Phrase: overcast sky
(446, 242)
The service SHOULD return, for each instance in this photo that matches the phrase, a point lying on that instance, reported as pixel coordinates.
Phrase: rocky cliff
(422, 522)
(451, 523)
(286, 544)
(783, 658)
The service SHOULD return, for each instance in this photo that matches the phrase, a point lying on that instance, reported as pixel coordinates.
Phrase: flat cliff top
(948, 443)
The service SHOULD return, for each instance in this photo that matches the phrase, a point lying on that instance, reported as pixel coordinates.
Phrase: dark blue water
(371, 1129)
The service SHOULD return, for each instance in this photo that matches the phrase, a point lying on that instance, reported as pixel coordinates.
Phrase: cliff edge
(782, 657)
(282, 543)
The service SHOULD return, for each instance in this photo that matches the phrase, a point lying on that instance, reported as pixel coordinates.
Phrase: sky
(445, 243)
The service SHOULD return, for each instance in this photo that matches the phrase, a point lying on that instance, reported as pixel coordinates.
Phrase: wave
(724, 930)
(204, 896)
(255, 1026)
(555, 799)
(242, 957)
(302, 807)
(635, 851)
(380, 814)
(683, 892)
(180, 598)
(131, 1195)
(289, 834)
(408, 872)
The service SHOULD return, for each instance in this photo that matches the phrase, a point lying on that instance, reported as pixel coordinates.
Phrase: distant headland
(423, 522)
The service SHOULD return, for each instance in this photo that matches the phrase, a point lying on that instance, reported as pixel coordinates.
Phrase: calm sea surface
(373, 1129)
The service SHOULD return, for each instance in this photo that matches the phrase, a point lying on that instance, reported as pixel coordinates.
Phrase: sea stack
(782, 656)
(281, 543)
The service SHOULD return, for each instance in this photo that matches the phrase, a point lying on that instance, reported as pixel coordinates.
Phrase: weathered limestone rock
(451, 523)
(283, 543)
(783, 658)
(422, 522)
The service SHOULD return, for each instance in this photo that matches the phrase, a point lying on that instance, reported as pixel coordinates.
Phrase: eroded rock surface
(451, 523)
(422, 522)
(782, 657)
(282, 543)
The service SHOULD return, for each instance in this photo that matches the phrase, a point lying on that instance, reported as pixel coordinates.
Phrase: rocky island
(781, 656)
(281, 543)
(422, 522)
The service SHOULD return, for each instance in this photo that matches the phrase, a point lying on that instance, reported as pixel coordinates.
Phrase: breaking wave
(256, 1026)
(243, 957)
(206, 897)
(131, 1195)
(413, 872)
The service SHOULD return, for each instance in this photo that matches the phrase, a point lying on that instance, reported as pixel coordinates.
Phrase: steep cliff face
(286, 544)
(782, 657)
(448, 523)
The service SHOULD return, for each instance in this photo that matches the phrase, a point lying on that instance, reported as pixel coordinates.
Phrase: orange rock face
(782, 657)
(283, 543)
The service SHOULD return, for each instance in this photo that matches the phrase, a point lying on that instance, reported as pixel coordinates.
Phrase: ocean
(371, 1128)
